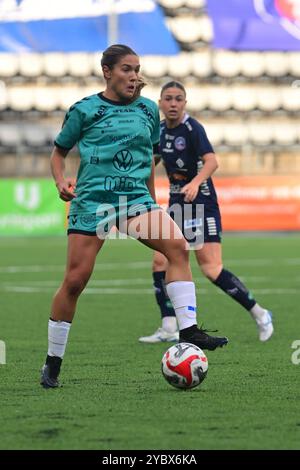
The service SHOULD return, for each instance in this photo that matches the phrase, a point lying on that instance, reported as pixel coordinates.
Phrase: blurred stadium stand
(248, 101)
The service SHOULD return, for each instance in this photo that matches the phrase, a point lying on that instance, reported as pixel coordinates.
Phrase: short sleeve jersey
(115, 143)
(182, 149)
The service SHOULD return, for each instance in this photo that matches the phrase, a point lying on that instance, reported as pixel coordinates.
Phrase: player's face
(123, 78)
(172, 104)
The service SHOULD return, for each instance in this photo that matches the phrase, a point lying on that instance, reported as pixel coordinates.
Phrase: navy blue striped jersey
(182, 149)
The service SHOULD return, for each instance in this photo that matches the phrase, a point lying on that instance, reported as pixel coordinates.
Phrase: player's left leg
(209, 258)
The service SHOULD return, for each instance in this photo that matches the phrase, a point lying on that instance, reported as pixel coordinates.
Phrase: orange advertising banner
(253, 202)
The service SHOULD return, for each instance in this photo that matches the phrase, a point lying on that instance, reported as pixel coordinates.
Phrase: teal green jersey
(115, 143)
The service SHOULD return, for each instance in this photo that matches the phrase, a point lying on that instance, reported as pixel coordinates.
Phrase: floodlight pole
(112, 36)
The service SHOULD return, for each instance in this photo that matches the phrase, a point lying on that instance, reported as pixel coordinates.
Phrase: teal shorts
(110, 215)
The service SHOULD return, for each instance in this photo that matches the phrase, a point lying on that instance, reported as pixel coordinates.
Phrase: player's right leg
(179, 282)
(168, 331)
(82, 252)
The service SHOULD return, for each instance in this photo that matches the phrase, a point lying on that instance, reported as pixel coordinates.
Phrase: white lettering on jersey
(169, 137)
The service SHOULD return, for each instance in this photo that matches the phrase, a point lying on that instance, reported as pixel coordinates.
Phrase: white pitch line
(115, 291)
(31, 269)
(147, 264)
(104, 282)
(58, 268)
(263, 262)
(117, 282)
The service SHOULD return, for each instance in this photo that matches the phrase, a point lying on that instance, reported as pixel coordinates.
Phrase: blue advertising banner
(82, 26)
(256, 24)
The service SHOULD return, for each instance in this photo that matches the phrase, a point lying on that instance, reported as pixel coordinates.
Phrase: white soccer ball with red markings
(184, 365)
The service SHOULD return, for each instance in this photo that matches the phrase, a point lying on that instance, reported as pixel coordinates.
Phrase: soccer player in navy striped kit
(189, 160)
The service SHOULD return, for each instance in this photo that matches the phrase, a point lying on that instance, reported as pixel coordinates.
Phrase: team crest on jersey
(180, 143)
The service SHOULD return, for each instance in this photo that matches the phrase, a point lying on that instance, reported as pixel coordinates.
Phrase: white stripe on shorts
(212, 227)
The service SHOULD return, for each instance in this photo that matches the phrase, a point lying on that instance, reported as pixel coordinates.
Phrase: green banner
(30, 207)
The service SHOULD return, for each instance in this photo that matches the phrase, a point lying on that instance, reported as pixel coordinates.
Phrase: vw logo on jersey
(180, 143)
(123, 160)
(285, 11)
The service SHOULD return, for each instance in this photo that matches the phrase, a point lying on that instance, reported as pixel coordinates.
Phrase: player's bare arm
(150, 182)
(64, 185)
(210, 165)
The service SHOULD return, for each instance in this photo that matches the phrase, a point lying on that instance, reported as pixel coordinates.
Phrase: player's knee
(75, 282)
(179, 252)
(211, 270)
(159, 264)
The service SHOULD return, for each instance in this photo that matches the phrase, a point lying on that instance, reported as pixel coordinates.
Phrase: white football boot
(265, 326)
(160, 336)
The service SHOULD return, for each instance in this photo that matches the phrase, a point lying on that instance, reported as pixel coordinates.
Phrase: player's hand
(190, 191)
(66, 190)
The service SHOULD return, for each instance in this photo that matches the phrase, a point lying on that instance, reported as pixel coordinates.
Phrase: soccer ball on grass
(184, 365)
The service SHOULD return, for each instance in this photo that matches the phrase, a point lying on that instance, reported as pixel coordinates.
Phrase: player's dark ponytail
(114, 53)
(172, 84)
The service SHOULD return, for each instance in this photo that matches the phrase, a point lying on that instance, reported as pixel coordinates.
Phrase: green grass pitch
(114, 396)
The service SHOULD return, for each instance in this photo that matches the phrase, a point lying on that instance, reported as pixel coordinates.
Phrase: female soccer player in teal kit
(116, 132)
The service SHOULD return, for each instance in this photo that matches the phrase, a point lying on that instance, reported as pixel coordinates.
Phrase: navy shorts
(206, 223)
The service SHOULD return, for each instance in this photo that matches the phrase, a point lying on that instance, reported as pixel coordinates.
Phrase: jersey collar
(183, 121)
(115, 103)
(185, 118)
